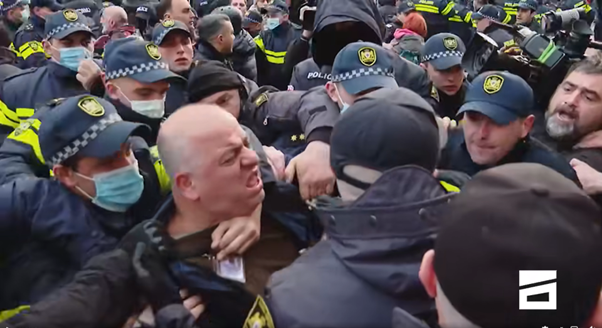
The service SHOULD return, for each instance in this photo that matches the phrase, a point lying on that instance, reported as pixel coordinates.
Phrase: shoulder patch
(434, 93)
(262, 99)
(24, 126)
(168, 23)
(259, 316)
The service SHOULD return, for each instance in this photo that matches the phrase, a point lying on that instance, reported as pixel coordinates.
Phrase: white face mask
(344, 105)
(148, 108)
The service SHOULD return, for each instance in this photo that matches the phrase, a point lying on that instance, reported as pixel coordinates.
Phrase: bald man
(112, 19)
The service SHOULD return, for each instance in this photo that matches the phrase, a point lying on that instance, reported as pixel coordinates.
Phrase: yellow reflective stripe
(12, 48)
(9, 114)
(578, 4)
(427, 8)
(24, 113)
(456, 19)
(275, 60)
(449, 187)
(275, 53)
(27, 50)
(29, 137)
(259, 42)
(164, 180)
(468, 17)
(448, 8)
(509, 43)
(507, 19)
(5, 315)
(587, 8)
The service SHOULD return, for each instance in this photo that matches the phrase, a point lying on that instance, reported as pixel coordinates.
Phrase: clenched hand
(312, 169)
(235, 236)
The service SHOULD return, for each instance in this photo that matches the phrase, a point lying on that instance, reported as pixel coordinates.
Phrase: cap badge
(153, 51)
(106, 4)
(168, 23)
(410, 4)
(367, 56)
(450, 43)
(70, 15)
(493, 84)
(91, 106)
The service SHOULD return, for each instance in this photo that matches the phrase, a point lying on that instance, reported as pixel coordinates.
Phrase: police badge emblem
(168, 23)
(24, 126)
(33, 45)
(367, 56)
(70, 15)
(493, 84)
(91, 106)
(153, 51)
(450, 43)
(259, 316)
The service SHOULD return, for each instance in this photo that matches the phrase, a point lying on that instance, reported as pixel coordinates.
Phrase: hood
(244, 44)
(382, 236)
(412, 43)
(327, 41)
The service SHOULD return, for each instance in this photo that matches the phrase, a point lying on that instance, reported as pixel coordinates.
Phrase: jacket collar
(209, 51)
(400, 202)
(60, 71)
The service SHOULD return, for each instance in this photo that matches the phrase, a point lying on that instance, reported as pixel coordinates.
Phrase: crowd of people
(327, 163)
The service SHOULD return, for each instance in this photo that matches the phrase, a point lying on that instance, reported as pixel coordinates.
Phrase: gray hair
(211, 25)
(591, 65)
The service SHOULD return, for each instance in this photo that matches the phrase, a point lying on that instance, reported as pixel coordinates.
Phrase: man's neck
(188, 219)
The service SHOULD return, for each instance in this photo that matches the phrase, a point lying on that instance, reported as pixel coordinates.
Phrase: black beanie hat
(209, 78)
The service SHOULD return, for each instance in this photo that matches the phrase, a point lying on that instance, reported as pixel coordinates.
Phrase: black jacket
(243, 57)
(205, 51)
(369, 263)
(448, 106)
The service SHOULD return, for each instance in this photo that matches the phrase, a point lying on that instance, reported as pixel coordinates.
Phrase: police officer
(442, 57)
(272, 45)
(496, 125)
(176, 48)
(527, 9)
(14, 13)
(438, 14)
(485, 18)
(50, 228)
(68, 41)
(137, 81)
(28, 39)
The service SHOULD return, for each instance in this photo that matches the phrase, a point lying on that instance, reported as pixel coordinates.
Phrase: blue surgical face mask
(116, 190)
(344, 105)
(272, 23)
(148, 108)
(25, 14)
(71, 57)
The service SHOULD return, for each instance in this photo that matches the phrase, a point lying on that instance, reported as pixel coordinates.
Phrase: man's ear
(47, 46)
(111, 90)
(64, 175)
(427, 273)
(527, 125)
(331, 91)
(184, 185)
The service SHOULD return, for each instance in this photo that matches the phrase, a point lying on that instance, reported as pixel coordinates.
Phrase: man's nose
(250, 157)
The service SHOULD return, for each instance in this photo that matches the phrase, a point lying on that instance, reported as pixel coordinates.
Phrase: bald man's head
(205, 152)
(113, 18)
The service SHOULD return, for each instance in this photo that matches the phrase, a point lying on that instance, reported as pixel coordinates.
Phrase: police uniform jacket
(448, 106)
(369, 262)
(455, 156)
(510, 7)
(48, 234)
(271, 50)
(28, 43)
(437, 14)
(22, 92)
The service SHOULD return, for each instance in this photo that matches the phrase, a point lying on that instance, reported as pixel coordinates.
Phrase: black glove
(146, 245)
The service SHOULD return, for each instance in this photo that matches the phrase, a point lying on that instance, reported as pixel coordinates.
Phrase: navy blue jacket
(47, 234)
(24, 92)
(455, 157)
